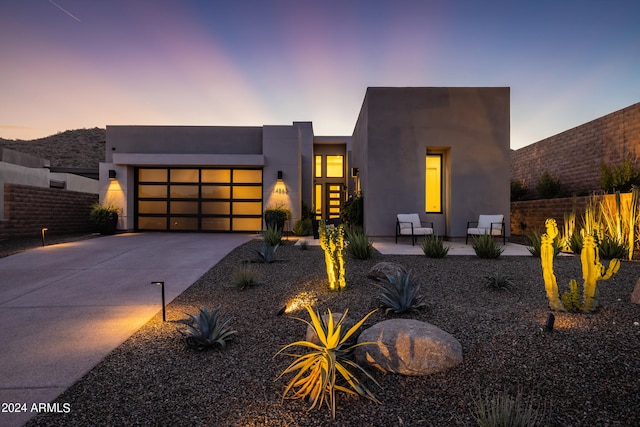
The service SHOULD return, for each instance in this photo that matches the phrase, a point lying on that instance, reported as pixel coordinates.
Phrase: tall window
(433, 183)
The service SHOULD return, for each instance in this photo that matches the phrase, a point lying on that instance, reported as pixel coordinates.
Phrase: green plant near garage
(485, 247)
(266, 253)
(433, 247)
(272, 236)
(206, 330)
(244, 277)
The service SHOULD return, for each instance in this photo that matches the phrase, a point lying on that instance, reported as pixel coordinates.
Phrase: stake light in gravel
(164, 310)
(299, 301)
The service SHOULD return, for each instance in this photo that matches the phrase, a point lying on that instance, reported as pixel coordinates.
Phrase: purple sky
(68, 64)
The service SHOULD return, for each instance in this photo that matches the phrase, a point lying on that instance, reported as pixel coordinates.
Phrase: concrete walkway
(64, 307)
(388, 246)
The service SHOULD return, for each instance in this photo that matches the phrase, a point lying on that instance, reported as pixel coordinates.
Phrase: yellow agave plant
(318, 371)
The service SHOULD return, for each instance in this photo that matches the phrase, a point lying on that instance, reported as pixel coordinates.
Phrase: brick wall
(29, 209)
(574, 156)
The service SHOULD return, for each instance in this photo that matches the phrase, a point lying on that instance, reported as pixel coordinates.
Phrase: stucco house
(439, 152)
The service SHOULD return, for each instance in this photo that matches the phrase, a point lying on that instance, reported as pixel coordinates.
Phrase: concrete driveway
(64, 307)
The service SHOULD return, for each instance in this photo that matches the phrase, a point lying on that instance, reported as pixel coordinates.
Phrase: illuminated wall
(396, 129)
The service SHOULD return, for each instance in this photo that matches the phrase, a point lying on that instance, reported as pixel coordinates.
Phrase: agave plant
(318, 373)
(433, 247)
(266, 254)
(485, 247)
(400, 293)
(206, 330)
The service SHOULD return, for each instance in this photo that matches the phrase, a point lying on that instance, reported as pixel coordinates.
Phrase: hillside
(80, 148)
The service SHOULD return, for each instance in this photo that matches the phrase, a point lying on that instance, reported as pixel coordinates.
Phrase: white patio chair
(410, 225)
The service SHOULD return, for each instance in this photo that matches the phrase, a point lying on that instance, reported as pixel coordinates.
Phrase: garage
(198, 199)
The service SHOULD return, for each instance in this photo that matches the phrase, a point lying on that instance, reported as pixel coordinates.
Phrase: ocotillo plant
(592, 272)
(332, 243)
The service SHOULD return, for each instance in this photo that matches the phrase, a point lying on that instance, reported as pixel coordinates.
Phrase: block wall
(575, 156)
(29, 209)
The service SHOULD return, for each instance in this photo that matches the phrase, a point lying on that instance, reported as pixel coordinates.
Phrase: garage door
(198, 199)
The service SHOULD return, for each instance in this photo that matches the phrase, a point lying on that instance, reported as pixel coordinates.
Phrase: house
(441, 152)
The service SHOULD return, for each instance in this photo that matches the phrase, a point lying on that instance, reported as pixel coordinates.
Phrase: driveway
(64, 307)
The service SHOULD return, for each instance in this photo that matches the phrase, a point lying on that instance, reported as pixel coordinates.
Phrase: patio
(388, 246)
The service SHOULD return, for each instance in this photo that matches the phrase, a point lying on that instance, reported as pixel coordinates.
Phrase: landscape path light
(164, 311)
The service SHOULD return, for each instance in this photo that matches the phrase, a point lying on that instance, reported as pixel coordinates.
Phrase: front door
(330, 186)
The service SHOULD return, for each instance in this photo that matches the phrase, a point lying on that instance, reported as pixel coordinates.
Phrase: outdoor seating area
(493, 225)
(411, 226)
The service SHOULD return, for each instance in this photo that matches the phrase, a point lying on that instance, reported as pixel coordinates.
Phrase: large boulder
(380, 271)
(635, 295)
(408, 347)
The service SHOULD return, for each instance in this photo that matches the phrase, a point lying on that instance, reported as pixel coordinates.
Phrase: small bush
(535, 241)
(610, 249)
(504, 411)
(360, 247)
(519, 191)
(575, 243)
(304, 245)
(549, 187)
(272, 236)
(352, 212)
(244, 277)
(499, 281)
(433, 248)
(619, 178)
(485, 247)
(303, 227)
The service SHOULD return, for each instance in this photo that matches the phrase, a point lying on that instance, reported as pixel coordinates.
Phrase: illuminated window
(433, 184)
(318, 162)
(335, 166)
(318, 203)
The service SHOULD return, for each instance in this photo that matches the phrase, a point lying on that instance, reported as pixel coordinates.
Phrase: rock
(346, 325)
(408, 347)
(380, 271)
(635, 295)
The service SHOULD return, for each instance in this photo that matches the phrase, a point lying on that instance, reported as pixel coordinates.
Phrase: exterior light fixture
(164, 311)
(42, 232)
(282, 310)
(280, 187)
(112, 174)
(548, 327)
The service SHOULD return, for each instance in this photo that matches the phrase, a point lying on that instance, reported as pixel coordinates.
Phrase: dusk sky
(69, 64)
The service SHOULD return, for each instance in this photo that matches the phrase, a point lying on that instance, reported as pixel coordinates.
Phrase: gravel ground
(585, 373)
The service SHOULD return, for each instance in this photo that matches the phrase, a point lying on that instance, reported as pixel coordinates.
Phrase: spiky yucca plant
(400, 293)
(206, 330)
(504, 411)
(317, 372)
(433, 247)
(360, 247)
(485, 247)
(272, 236)
(244, 277)
(266, 254)
(499, 281)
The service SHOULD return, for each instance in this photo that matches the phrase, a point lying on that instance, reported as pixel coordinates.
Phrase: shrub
(549, 187)
(535, 241)
(272, 236)
(400, 293)
(317, 373)
(499, 281)
(304, 245)
(433, 248)
(352, 212)
(485, 247)
(519, 191)
(618, 178)
(610, 248)
(360, 247)
(504, 411)
(244, 277)
(206, 330)
(304, 227)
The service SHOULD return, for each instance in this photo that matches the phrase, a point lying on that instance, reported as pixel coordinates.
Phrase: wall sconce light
(355, 172)
(42, 231)
(164, 311)
(280, 188)
(112, 174)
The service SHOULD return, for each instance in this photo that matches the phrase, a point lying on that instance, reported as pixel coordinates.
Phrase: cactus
(592, 272)
(332, 243)
(547, 253)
